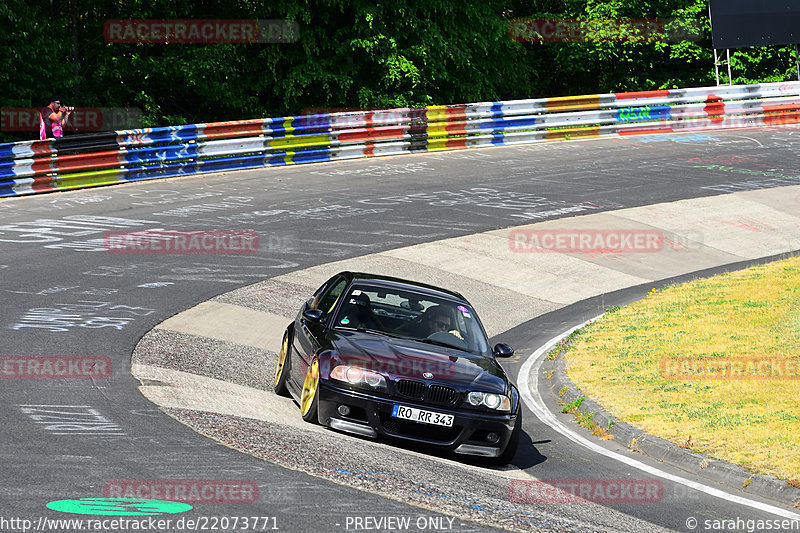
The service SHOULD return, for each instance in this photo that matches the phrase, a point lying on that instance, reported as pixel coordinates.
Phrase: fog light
(492, 437)
(343, 410)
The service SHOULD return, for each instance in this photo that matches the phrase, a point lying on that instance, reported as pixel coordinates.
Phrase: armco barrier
(116, 157)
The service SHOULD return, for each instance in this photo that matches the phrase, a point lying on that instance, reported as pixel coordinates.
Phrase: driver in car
(438, 319)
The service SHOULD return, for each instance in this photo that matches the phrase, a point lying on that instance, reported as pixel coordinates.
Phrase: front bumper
(473, 432)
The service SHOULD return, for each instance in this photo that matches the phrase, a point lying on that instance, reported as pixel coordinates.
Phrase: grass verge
(714, 362)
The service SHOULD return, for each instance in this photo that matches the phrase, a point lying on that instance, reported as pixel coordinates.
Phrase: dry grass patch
(749, 315)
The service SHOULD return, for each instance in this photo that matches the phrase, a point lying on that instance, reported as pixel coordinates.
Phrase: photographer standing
(53, 118)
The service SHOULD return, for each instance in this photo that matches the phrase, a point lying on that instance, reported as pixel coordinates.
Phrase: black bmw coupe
(388, 358)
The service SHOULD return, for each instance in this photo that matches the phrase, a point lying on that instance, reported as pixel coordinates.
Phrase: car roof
(377, 280)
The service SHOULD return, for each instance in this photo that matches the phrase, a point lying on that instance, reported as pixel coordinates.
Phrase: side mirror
(313, 315)
(503, 350)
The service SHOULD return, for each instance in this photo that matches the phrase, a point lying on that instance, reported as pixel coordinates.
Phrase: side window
(327, 300)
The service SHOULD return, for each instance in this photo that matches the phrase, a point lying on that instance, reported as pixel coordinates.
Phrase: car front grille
(411, 388)
(419, 390)
(442, 395)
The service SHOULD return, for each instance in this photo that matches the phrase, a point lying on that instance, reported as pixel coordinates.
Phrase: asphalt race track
(65, 295)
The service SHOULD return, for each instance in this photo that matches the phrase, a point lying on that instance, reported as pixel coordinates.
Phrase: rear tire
(282, 369)
(309, 399)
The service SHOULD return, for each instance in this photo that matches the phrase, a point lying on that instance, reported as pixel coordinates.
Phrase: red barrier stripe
(715, 106)
(456, 128)
(457, 143)
(43, 166)
(67, 163)
(780, 108)
(775, 115)
(777, 119)
(232, 130)
(646, 132)
(381, 133)
(641, 94)
(42, 183)
(40, 148)
(457, 112)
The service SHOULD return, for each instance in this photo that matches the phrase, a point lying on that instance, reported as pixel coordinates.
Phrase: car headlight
(497, 402)
(355, 375)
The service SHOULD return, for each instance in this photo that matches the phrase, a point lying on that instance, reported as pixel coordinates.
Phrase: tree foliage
(349, 54)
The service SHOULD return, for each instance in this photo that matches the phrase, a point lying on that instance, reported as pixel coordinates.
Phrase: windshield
(411, 315)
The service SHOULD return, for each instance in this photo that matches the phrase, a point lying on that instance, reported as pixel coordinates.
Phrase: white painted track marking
(536, 404)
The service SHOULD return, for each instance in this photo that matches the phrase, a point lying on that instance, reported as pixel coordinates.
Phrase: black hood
(399, 358)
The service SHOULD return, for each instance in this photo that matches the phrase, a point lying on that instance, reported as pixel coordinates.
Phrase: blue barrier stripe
(161, 153)
(7, 190)
(7, 151)
(506, 123)
(312, 156)
(637, 114)
(142, 171)
(236, 163)
(498, 138)
(158, 135)
(161, 173)
(233, 161)
(299, 156)
(190, 167)
(320, 122)
(7, 169)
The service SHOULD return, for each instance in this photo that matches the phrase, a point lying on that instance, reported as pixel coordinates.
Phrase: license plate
(422, 416)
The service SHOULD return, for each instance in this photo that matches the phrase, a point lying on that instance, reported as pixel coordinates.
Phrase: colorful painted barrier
(130, 155)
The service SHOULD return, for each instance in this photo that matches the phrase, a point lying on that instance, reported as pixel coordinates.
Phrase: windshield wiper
(443, 344)
(379, 332)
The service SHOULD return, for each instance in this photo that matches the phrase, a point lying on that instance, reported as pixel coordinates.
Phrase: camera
(65, 108)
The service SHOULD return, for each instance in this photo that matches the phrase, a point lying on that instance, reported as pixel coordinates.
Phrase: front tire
(511, 448)
(309, 399)
(282, 370)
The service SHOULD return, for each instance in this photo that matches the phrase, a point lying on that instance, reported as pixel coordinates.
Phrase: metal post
(797, 61)
(730, 78)
(716, 65)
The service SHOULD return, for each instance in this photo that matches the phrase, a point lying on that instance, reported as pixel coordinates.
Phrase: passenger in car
(358, 314)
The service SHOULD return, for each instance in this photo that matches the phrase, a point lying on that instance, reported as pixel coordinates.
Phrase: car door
(306, 338)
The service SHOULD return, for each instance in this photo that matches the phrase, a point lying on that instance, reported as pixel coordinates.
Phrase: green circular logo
(118, 506)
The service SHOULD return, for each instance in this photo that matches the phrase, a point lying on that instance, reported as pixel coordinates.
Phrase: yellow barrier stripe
(296, 141)
(572, 132)
(85, 179)
(573, 103)
(436, 113)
